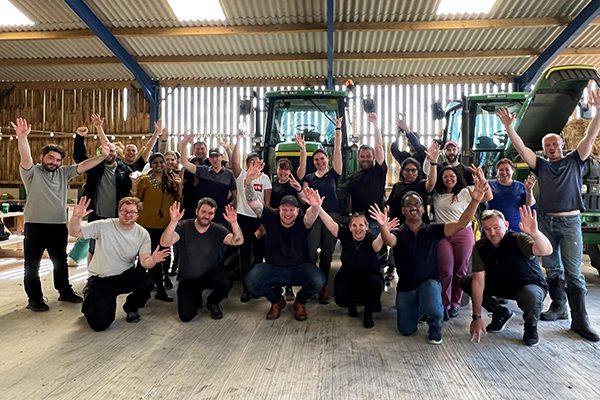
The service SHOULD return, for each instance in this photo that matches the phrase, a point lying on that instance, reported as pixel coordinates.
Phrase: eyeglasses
(412, 205)
(122, 212)
(411, 170)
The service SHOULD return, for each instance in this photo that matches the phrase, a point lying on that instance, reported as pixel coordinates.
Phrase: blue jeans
(425, 300)
(266, 280)
(565, 235)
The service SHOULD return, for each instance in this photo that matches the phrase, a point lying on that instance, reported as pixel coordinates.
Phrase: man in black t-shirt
(287, 259)
(200, 245)
(505, 265)
(367, 186)
(419, 291)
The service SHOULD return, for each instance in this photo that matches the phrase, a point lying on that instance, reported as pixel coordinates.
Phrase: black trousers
(161, 268)
(40, 237)
(189, 292)
(351, 287)
(252, 251)
(100, 304)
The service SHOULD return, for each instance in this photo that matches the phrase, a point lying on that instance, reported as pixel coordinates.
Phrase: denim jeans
(530, 298)
(266, 280)
(425, 300)
(565, 235)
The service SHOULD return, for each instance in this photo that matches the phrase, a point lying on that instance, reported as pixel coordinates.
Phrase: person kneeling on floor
(119, 241)
(505, 265)
(201, 242)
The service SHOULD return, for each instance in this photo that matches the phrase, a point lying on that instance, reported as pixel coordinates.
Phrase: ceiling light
(11, 16)
(195, 10)
(465, 6)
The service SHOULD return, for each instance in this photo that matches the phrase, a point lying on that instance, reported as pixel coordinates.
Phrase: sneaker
(500, 318)
(289, 294)
(434, 337)
(453, 312)
(324, 296)
(132, 316)
(70, 297)
(214, 310)
(530, 336)
(37, 305)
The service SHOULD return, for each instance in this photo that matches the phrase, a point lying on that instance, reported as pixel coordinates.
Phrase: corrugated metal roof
(56, 15)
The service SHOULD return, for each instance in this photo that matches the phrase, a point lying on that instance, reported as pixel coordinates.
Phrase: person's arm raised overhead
(585, 146)
(182, 147)
(79, 147)
(525, 152)
(22, 132)
(337, 147)
(169, 237)
(98, 123)
(253, 172)
(315, 201)
(433, 154)
(301, 170)
(149, 146)
(236, 164)
(92, 162)
(379, 150)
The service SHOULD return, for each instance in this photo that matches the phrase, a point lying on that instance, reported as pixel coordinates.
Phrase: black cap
(214, 152)
(289, 199)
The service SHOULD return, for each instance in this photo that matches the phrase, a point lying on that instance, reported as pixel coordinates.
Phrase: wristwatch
(476, 317)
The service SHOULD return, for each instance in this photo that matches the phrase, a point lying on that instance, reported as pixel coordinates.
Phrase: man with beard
(200, 244)
(112, 270)
(190, 181)
(216, 181)
(46, 215)
(559, 217)
(106, 184)
(367, 186)
(452, 153)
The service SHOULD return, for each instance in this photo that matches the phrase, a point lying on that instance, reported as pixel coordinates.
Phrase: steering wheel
(310, 131)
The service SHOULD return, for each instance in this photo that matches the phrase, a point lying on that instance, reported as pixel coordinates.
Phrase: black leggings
(351, 287)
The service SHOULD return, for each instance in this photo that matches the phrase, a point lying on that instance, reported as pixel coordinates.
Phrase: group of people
(288, 225)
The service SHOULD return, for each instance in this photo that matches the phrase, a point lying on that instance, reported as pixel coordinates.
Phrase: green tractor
(311, 113)
(473, 123)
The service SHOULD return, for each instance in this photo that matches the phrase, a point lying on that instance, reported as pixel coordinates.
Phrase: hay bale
(574, 131)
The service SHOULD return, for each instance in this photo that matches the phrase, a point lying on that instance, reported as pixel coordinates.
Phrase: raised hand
(529, 182)
(294, 183)
(21, 128)
(164, 134)
(392, 224)
(506, 117)
(177, 179)
(80, 209)
(160, 255)
(312, 197)
(187, 139)
(481, 185)
(528, 222)
(338, 122)
(401, 123)
(254, 170)
(299, 139)
(97, 120)
(372, 118)
(81, 131)
(174, 212)
(594, 98)
(378, 215)
(158, 126)
(433, 152)
(230, 214)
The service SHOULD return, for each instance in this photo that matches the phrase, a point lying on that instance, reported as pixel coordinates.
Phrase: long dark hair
(460, 182)
(167, 183)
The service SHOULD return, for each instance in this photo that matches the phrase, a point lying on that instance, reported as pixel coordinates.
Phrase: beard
(50, 167)
(452, 158)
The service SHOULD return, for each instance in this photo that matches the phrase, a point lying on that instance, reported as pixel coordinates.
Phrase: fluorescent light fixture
(197, 10)
(465, 6)
(11, 16)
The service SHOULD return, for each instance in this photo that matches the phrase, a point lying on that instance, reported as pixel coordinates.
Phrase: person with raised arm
(505, 265)
(112, 271)
(325, 180)
(200, 244)
(415, 245)
(287, 262)
(46, 184)
(559, 216)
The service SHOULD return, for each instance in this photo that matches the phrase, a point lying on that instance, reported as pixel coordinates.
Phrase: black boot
(558, 307)
(580, 322)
